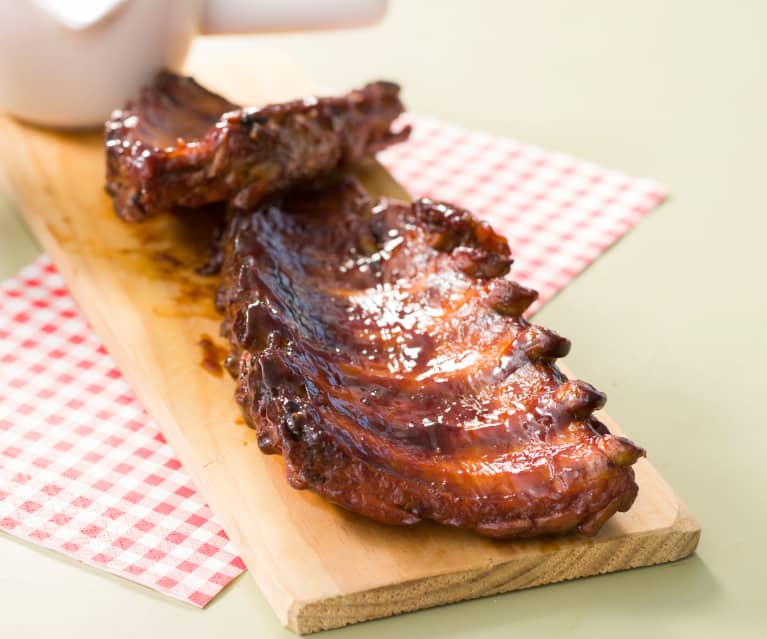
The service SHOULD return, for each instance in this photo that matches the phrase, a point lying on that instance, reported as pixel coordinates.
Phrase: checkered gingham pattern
(559, 213)
(85, 471)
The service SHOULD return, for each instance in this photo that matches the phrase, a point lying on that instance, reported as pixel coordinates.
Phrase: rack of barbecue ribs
(378, 346)
(179, 145)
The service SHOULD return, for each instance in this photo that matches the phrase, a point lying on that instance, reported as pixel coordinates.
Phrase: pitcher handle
(262, 16)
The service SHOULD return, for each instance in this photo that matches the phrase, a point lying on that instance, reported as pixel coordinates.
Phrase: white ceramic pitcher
(68, 63)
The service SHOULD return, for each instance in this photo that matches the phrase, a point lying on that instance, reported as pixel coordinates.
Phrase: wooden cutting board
(319, 567)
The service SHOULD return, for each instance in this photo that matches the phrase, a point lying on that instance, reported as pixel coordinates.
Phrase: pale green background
(670, 322)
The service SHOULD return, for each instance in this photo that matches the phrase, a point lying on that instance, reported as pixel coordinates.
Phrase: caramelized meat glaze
(179, 145)
(377, 345)
(379, 348)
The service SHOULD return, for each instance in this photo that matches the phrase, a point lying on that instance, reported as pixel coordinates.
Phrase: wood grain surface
(319, 567)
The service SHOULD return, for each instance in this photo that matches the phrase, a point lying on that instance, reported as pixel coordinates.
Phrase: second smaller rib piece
(179, 144)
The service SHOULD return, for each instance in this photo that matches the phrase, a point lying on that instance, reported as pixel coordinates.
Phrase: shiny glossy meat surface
(179, 145)
(379, 348)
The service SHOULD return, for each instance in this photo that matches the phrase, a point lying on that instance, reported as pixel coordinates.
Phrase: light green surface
(670, 322)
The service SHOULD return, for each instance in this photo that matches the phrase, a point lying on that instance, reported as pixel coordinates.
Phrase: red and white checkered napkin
(559, 213)
(84, 470)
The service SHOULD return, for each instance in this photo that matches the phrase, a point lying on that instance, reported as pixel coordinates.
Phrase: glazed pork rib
(378, 348)
(179, 145)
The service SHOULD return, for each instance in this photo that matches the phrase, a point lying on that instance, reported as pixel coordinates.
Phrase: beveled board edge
(601, 557)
